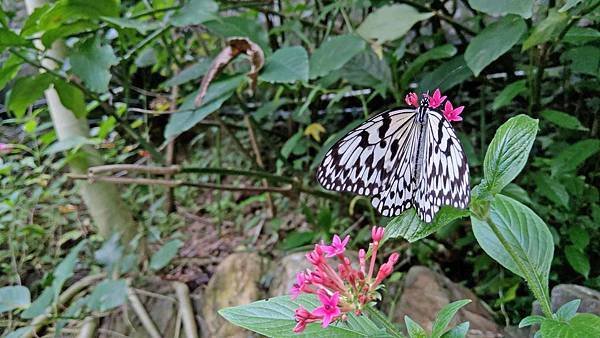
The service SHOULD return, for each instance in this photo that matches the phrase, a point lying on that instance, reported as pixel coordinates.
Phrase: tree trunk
(103, 201)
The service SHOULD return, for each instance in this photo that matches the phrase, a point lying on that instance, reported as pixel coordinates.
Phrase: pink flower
(437, 99)
(302, 281)
(451, 113)
(303, 317)
(315, 257)
(337, 247)
(386, 269)
(412, 99)
(5, 148)
(329, 309)
(377, 233)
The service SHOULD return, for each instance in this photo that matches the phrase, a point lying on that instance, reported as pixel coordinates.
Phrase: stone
(284, 273)
(235, 282)
(425, 292)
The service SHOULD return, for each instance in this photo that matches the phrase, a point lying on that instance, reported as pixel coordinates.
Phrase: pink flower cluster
(436, 100)
(344, 290)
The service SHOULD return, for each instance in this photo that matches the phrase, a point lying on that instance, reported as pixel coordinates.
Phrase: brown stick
(170, 154)
(186, 309)
(111, 168)
(261, 164)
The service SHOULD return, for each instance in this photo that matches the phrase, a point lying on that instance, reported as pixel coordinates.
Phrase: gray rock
(425, 292)
(235, 282)
(284, 273)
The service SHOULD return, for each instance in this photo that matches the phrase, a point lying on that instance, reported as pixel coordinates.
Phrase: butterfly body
(402, 158)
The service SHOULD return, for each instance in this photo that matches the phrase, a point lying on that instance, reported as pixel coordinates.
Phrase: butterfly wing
(374, 160)
(444, 176)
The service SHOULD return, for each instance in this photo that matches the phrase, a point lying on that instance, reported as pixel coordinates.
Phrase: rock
(235, 282)
(425, 292)
(284, 273)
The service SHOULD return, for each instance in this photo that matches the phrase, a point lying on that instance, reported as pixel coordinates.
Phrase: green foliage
(167, 252)
(14, 297)
(333, 54)
(440, 325)
(383, 24)
(286, 65)
(91, 61)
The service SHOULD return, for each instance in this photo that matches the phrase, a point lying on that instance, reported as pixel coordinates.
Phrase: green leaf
(531, 320)
(9, 38)
(366, 69)
(509, 92)
(553, 190)
(383, 25)
(584, 60)
(410, 227)
(286, 65)
(74, 142)
(414, 329)
(440, 52)
(444, 317)
(71, 97)
(514, 191)
(167, 252)
(569, 4)
(523, 8)
(579, 236)
(40, 304)
(66, 30)
(91, 62)
(568, 310)
(195, 12)
(581, 35)
(563, 120)
(578, 260)
(334, 53)
(69, 10)
(446, 76)
(140, 26)
(14, 297)
(21, 332)
(218, 92)
(190, 73)
(507, 153)
(233, 26)
(547, 29)
(9, 69)
(274, 317)
(290, 144)
(459, 331)
(107, 295)
(582, 325)
(495, 40)
(26, 91)
(574, 155)
(517, 239)
(64, 270)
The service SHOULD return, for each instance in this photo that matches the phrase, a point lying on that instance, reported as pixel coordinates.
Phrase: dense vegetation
(282, 81)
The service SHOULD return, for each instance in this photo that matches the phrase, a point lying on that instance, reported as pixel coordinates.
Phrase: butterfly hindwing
(444, 178)
(363, 161)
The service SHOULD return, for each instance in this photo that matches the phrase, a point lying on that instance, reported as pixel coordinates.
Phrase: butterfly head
(424, 102)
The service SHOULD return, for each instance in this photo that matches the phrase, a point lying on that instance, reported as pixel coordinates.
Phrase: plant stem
(380, 319)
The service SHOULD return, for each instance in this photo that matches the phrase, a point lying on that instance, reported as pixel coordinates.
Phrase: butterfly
(402, 158)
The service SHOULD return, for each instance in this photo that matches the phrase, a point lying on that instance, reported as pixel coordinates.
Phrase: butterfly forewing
(363, 161)
(400, 163)
(444, 177)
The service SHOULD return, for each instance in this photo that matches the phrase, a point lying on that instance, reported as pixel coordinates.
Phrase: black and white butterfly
(402, 158)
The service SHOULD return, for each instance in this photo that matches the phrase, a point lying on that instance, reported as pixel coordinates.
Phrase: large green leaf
(563, 120)
(523, 8)
(446, 76)
(190, 73)
(334, 53)
(578, 260)
(389, 23)
(71, 97)
(444, 317)
(368, 70)
(9, 38)
(107, 295)
(507, 153)
(274, 317)
(66, 30)
(495, 40)
(581, 35)
(26, 91)
(234, 26)
(410, 227)
(286, 65)
(126, 23)
(195, 12)
(9, 69)
(547, 29)
(187, 116)
(584, 60)
(507, 94)
(514, 236)
(14, 297)
(553, 190)
(69, 10)
(574, 155)
(436, 53)
(582, 325)
(91, 62)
